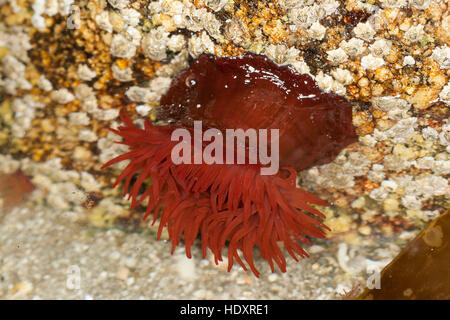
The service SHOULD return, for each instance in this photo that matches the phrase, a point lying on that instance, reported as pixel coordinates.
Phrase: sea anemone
(231, 204)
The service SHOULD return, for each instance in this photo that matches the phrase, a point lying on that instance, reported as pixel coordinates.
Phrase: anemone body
(233, 205)
(253, 92)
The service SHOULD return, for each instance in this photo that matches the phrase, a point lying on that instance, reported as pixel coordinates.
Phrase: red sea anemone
(233, 203)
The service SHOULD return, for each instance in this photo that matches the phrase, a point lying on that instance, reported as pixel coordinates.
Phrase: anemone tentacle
(231, 204)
